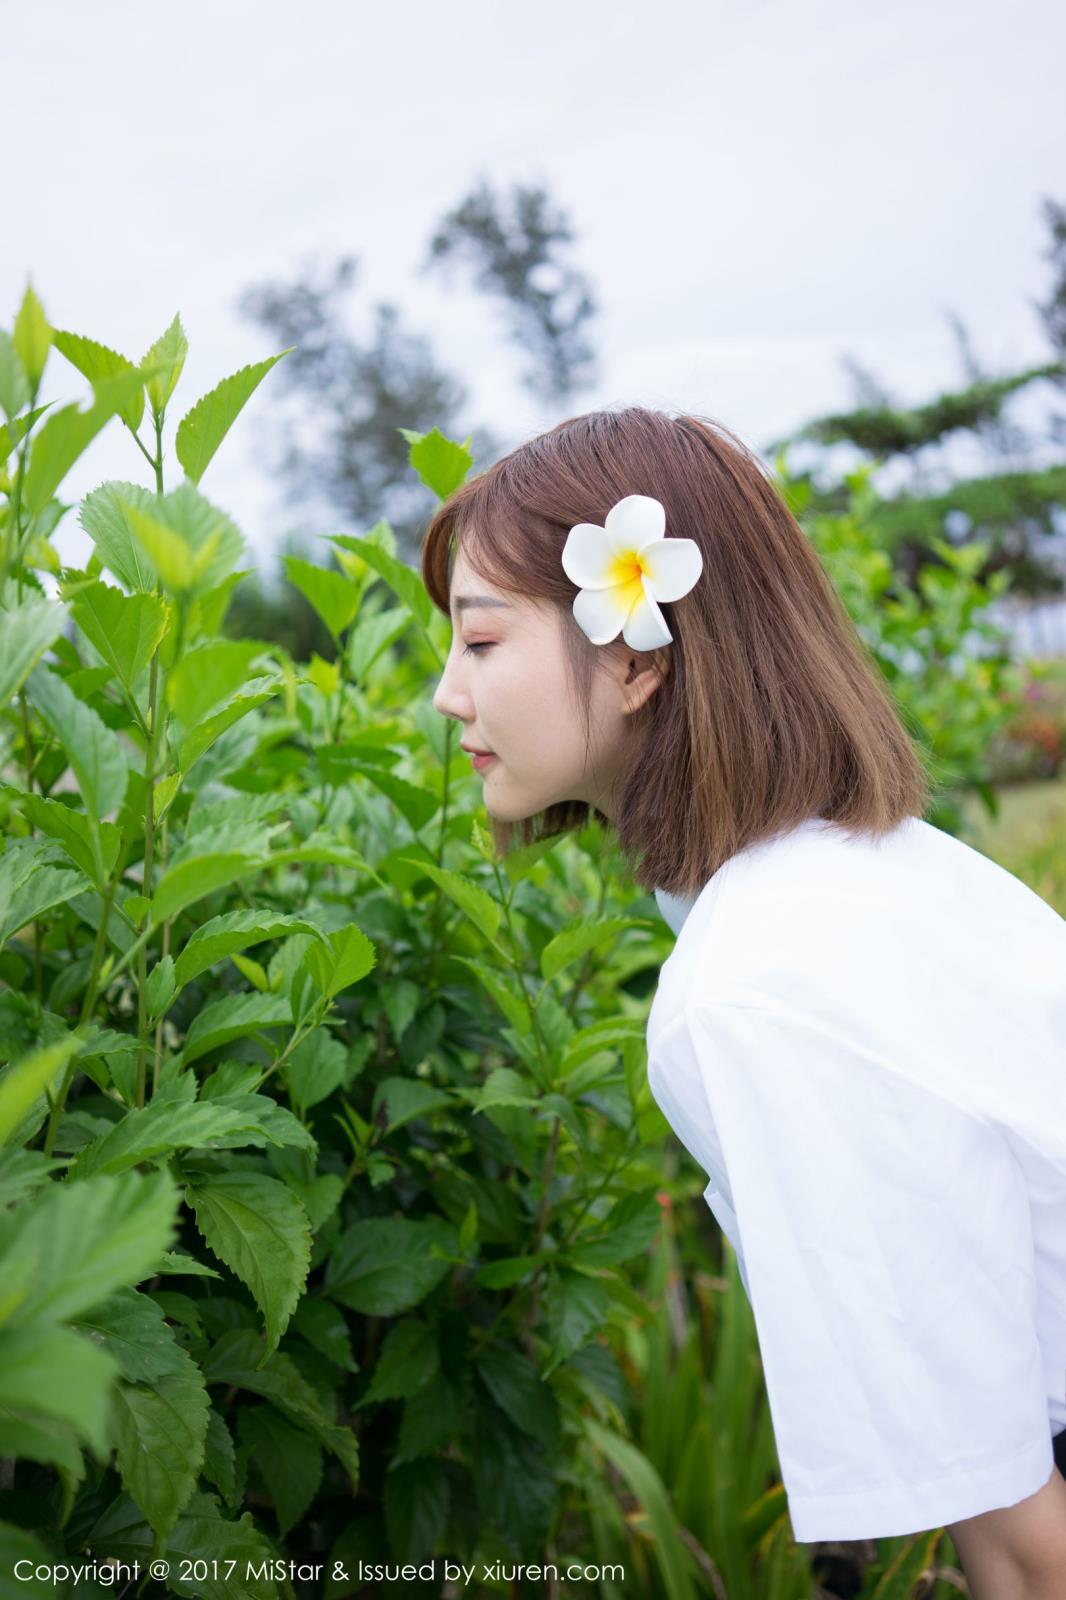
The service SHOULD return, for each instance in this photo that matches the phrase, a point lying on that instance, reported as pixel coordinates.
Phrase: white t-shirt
(863, 1044)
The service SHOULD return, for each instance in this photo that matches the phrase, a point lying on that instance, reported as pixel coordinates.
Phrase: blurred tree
(1017, 508)
(513, 243)
(1052, 311)
(342, 449)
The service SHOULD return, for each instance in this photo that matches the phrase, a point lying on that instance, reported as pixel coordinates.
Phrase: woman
(860, 1034)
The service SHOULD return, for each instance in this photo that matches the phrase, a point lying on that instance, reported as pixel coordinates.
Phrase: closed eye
(474, 648)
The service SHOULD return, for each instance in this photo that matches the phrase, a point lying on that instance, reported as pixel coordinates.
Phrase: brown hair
(772, 710)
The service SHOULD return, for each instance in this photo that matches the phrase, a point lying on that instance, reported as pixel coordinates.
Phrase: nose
(448, 700)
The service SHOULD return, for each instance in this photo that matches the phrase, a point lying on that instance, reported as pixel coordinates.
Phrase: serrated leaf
(407, 1098)
(333, 596)
(25, 1080)
(240, 1358)
(289, 1460)
(26, 632)
(200, 1535)
(72, 1245)
(482, 910)
(14, 387)
(94, 751)
(581, 936)
(340, 960)
(384, 1265)
(160, 1434)
(32, 336)
(190, 880)
(232, 931)
(258, 1227)
(629, 1227)
(124, 628)
(166, 357)
(402, 579)
(54, 1372)
(408, 1359)
(96, 362)
(209, 675)
(202, 430)
(440, 462)
(234, 1017)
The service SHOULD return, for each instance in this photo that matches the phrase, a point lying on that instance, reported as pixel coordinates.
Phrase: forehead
(469, 592)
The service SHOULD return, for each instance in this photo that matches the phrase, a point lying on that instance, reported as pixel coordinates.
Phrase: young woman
(860, 1034)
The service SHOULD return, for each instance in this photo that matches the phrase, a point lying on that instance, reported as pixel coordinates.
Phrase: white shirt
(863, 1045)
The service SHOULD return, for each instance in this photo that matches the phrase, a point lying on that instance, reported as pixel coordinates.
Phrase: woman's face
(506, 680)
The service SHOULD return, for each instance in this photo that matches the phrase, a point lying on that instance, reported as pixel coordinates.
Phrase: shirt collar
(674, 907)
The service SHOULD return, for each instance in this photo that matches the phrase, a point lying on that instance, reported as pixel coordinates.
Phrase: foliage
(332, 1184)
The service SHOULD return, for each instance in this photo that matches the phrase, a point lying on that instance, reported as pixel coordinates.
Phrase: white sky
(756, 190)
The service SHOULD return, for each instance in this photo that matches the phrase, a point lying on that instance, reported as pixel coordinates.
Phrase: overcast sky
(757, 189)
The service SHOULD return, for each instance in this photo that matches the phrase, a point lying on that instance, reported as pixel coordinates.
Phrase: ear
(641, 676)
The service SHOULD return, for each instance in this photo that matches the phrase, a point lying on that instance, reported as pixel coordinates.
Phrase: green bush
(333, 1189)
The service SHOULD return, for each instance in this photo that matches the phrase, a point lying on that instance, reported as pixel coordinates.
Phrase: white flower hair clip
(623, 568)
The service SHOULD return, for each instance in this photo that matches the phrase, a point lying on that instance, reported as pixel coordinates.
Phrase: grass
(1028, 837)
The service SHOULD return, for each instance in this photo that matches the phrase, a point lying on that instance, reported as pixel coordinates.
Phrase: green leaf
(333, 596)
(93, 749)
(66, 433)
(416, 1508)
(372, 636)
(289, 1460)
(97, 362)
(160, 987)
(14, 388)
(234, 1017)
(160, 1434)
(132, 1328)
(199, 875)
(26, 1437)
(125, 629)
(673, 1559)
(94, 851)
(580, 936)
(407, 1360)
(503, 988)
(220, 1466)
(200, 1535)
(384, 1265)
(102, 516)
(258, 1227)
(72, 1245)
(25, 1080)
(26, 633)
(576, 1306)
(232, 931)
(167, 357)
(324, 1327)
(483, 911)
(54, 1372)
(519, 1390)
(208, 675)
(202, 430)
(28, 888)
(193, 746)
(440, 462)
(22, 1172)
(181, 538)
(155, 1130)
(236, 1359)
(414, 804)
(317, 1066)
(340, 960)
(402, 579)
(630, 1226)
(33, 336)
(407, 1098)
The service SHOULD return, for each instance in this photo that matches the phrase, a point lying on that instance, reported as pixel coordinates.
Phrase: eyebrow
(468, 602)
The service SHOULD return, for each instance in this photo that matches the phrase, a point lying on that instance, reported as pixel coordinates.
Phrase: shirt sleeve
(888, 1257)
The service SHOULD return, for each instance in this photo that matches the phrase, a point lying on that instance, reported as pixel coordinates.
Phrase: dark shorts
(1058, 1445)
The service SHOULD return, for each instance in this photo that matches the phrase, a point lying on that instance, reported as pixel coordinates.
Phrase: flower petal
(671, 567)
(645, 627)
(587, 556)
(634, 521)
(601, 612)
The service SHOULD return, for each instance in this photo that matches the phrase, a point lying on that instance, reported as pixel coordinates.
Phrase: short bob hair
(769, 710)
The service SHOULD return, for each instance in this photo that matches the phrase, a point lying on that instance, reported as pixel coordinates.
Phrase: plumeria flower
(624, 568)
